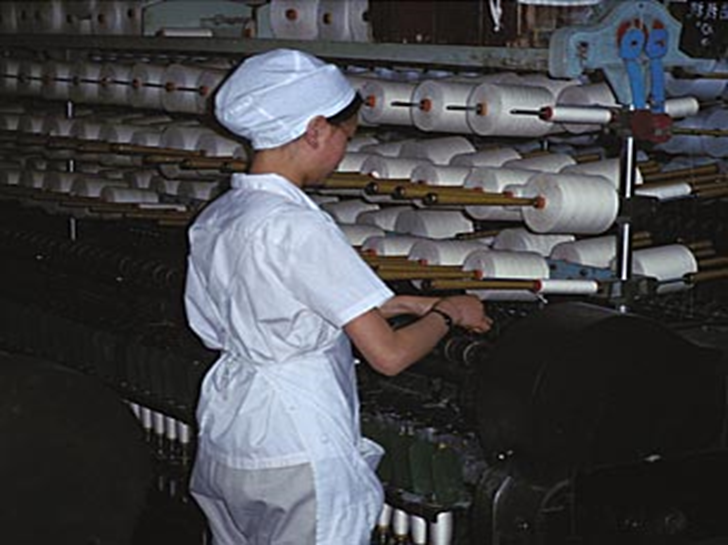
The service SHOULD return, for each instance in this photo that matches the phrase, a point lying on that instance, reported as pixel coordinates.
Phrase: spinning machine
(563, 161)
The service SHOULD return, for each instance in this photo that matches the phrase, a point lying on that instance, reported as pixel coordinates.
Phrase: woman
(275, 286)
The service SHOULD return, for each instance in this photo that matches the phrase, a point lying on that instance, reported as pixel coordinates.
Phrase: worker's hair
(349, 111)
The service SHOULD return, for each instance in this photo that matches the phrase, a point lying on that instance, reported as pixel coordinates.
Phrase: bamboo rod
(718, 261)
(707, 275)
(475, 235)
(422, 274)
(479, 198)
(699, 244)
(488, 284)
(699, 132)
(682, 173)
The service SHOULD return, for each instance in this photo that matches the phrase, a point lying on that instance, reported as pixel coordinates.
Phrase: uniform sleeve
(316, 262)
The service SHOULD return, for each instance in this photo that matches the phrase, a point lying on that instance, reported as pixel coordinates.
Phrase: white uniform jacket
(271, 282)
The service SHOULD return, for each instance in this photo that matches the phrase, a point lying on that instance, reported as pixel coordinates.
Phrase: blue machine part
(632, 64)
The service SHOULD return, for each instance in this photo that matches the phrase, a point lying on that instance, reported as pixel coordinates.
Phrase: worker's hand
(467, 311)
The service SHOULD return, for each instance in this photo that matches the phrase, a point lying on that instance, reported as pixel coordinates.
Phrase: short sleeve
(316, 262)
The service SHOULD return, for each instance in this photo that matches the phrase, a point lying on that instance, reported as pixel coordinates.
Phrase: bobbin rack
(509, 149)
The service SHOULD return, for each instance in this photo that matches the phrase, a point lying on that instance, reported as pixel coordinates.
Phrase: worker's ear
(315, 130)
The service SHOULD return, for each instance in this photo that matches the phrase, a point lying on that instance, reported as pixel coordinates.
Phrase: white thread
(436, 224)
(572, 204)
(716, 146)
(440, 175)
(677, 190)
(30, 79)
(507, 264)
(182, 92)
(87, 186)
(199, 191)
(608, 168)
(129, 195)
(386, 149)
(390, 245)
(496, 14)
(682, 107)
(596, 94)
(443, 252)
(56, 84)
(379, 96)
(347, 210)
(352, 161)
(418, 530)
(384, 218)
(357, 233)
(485, 158)
(147, 85)
(432, 99)
(115, 18)
(437, 150)
(359, 141)
(548, 162)
(665, 263)
(559, 286)
(492, 106)
(518, 239)
(294, 19)
(391, 167)
(86, 83)
(592, 252)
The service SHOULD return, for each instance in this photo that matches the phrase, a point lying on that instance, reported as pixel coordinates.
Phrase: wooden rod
(707, 275)
(683, 173)
(719, 261)
(421, 274)
(699, 132)
(479, 198)
(487, 284)
(385, 187)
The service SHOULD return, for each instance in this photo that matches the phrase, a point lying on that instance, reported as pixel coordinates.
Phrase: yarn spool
(117, 133)
(436, 224)
(113, 17)
(147, 85)
(390, 245)
(9, 70)
(215, 145)
(342, 21)
(434, 99)
(50, 17)
(506, 264)
(207, 84)
(378, 98)
(716, 146)
(56, 80)
(346, 211)
(592, 252)
(703, 89)
(57, 126)
(669, 192)
(129, 195)
(688, 143)
(518, 239)
(88, 186)
(596, 94)
(437, 150)
(443, 252)
(390, 167)
(164, 186)
(668, 264)
(386, 149)
(357, 233)
(572, 204)
(30, 79)
(198, 190)
(491, 106)
(140, 179)
(294, 19)
(32, 124)
(440, 175)
(181, 88)
(86, 82)
(33, 179)
(359, 141)
(10, 176)
(8, 17)
(384, 218)
(555, 86)
(548, 162)
(485, 158)
(148, 137)
(682, 107)
(115, 87)
(608, 168)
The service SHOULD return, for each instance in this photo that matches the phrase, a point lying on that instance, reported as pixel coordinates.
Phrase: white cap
(270, 98)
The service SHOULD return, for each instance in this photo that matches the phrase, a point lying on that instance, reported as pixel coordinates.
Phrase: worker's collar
(272, 183)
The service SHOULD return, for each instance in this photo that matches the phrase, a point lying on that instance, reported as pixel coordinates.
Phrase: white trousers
(256, 507)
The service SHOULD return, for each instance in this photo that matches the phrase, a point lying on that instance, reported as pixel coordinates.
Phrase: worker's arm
(390, 351)
(407, 304)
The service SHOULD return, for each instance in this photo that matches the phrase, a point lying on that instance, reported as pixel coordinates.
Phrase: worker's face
(339, 137)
